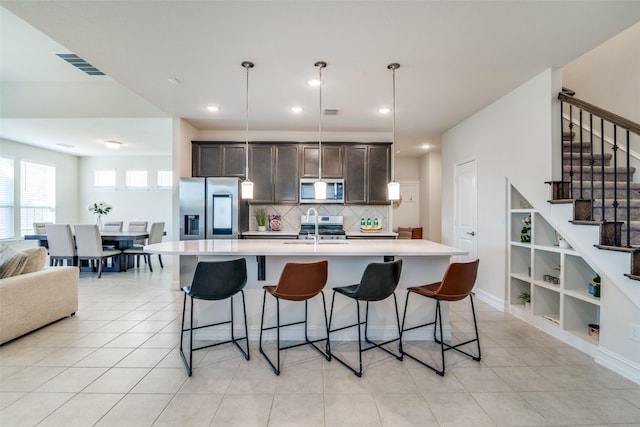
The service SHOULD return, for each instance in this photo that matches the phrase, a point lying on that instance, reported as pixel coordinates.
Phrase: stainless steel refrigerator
(210, 208)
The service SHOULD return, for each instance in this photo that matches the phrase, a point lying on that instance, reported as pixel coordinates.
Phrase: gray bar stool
(378, 282)
(213, 281)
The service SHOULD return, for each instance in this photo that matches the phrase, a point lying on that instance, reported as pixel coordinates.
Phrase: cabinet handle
(471, 233)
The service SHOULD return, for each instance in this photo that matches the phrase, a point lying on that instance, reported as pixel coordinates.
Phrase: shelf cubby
(546, 263)
(518, 286)
(578, 315)
(578, 275)
(517, 224)
(546, 303)
(543, 233)
(521, 260)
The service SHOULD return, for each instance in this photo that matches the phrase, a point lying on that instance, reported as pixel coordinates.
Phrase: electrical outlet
(634, 332)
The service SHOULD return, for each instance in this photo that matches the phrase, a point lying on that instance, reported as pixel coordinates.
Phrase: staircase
(598, 178)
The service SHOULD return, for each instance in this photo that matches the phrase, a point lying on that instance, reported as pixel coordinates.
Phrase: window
(37, 195)
(165, 180)
(104, 179)
(136, 180)
(6, 198)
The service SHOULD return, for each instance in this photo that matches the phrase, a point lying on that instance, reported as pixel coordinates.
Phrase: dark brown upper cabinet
(261, 172)
(285, 174)
(217, 159)
(367, 172)
(332, 160)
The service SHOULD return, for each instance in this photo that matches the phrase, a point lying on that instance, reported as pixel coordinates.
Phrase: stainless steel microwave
(335, 191)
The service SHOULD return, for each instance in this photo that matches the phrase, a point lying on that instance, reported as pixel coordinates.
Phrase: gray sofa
(32, 300)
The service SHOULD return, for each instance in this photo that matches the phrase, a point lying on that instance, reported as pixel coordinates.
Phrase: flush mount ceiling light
(393, 187)
(173, 81)
(247, 185)
(314, 82)
(320, 187)
(296, 110)
(113, 145)
(384, 110)
(213, 108)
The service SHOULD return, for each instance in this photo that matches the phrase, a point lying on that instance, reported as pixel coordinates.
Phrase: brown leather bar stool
(214, 281)
(378, 282)
(456, 285)
(298, 282)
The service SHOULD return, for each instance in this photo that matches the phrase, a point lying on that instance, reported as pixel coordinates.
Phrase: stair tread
(618, 248)
(632, 276)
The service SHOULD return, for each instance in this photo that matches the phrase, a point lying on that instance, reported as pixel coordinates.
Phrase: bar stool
(213, 281)
(378, 282)
(298, 282)
(456, 285)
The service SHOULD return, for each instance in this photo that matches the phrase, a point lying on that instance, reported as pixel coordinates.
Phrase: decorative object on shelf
(525, 232)
(525, 296)
(247, 185)
(275, 222)
(99, 209)
(524, 204)
(261, 219)
(594, 286)
(561, 242)
(594, 332)
(551, 279)
(552, 318)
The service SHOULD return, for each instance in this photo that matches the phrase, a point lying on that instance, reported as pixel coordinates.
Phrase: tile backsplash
(290, 214)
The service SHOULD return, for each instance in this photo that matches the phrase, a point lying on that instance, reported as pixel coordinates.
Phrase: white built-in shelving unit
(565, 309)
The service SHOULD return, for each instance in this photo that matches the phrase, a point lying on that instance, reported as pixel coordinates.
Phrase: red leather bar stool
(456, 285)
(214, 281)
(298, 282)
(378, 282)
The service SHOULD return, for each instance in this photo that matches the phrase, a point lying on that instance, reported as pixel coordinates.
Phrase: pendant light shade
(320, 187)
(247, 186)
(393, 187)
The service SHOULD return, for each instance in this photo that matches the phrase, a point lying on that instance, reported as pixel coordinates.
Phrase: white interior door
(466, 209)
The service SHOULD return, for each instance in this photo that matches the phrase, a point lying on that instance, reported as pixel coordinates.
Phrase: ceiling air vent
(331, 111)
(80, 63)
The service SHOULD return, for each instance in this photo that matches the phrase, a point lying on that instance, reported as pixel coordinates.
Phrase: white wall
(431, 196)
(152, 205)
(511, 138)
(67, 182)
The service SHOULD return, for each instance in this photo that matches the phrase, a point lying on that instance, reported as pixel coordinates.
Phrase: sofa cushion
(36, 258)
(11, 262)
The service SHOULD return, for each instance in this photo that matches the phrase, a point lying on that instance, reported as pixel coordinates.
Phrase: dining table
(120, 240)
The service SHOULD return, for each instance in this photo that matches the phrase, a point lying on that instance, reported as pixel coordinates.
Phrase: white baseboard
(497, 303)
(618, 364)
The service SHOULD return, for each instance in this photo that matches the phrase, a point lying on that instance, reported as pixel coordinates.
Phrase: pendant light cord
(393, 126)
(320, 65)
(247, 65)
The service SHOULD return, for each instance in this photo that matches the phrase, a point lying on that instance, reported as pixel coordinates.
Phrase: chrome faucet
(315, 237)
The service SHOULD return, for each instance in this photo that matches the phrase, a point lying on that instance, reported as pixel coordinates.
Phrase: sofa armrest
(30, 301)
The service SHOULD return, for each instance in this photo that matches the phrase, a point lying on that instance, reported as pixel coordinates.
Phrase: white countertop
(371, 235)
(278, 247)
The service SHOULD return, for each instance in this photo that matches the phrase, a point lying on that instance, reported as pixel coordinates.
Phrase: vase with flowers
(99, 209)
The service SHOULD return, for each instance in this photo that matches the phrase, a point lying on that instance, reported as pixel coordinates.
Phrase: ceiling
(456, 57)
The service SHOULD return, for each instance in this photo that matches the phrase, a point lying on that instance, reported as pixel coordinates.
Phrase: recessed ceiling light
(384, 110)
(314, 82)
(173, 81)
(425, 146)
(113, 145)
(213, 108)
(296, 109)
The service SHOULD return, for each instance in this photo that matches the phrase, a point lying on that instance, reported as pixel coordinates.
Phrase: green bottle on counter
(363, 223)
(375, 222)
(368, 222)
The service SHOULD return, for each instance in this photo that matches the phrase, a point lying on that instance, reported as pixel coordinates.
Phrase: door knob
(471, 233)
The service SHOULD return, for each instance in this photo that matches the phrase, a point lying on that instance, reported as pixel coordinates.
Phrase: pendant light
(320, 187)
(247, 185)
(393, 187)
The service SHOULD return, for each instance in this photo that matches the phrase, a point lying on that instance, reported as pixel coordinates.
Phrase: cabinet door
(233, 160)
(379, 174)
(355, 174)
(206, 160)
(286, 174)
(331, 161)
(260, 172)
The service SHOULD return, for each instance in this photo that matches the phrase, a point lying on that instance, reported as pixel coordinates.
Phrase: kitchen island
(423, 262)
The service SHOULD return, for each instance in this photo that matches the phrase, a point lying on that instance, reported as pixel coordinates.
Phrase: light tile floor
(116, 363)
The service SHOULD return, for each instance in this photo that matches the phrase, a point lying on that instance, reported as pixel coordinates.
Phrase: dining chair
(214, 281)
(456, 285)
(138, 226)
(112, 226)
(379, 281)
(155, 236)
(40, 227)
(299, 281)
(61, 244)
(89, 244)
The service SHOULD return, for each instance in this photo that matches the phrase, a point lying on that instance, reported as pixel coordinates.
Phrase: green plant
(261, 217)
(596, 279)
(525, 296)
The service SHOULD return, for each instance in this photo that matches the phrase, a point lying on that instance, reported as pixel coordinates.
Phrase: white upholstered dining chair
(61, 244)
(89, 244)
(155, 236)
